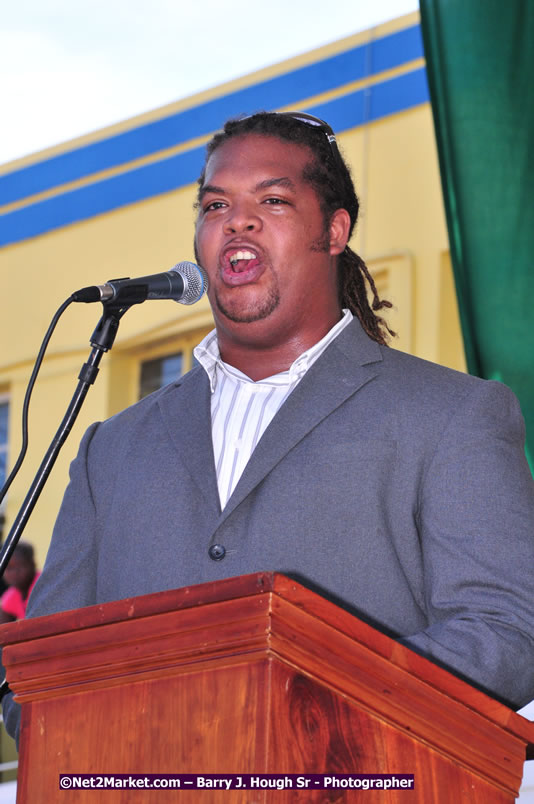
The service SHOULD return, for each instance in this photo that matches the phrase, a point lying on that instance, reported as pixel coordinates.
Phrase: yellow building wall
(401, 234)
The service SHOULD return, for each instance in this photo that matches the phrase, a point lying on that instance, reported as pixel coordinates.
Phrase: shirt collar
(208, 355)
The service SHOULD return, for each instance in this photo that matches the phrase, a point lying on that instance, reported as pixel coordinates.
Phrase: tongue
(242, 265)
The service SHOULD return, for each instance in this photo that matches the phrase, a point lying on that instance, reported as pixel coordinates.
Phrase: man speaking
(302, 443)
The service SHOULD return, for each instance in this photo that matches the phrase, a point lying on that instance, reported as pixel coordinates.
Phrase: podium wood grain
(249, 675)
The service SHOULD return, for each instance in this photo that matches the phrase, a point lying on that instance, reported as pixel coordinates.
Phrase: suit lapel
(346, 365)
(186, 411)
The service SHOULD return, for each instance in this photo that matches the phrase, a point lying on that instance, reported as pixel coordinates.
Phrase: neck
(24, 590)
(262, 358)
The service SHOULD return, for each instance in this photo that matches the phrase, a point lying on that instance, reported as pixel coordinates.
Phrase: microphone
(185, 283)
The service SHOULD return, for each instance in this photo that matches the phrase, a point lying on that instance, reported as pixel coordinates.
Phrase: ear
(339, 231)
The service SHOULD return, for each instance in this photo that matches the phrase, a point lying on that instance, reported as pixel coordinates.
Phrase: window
(163, 362)
(159, 372)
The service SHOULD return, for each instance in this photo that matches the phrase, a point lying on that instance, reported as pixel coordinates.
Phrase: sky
(69, 67)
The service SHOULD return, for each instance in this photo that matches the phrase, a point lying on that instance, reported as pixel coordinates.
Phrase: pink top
(12, 602)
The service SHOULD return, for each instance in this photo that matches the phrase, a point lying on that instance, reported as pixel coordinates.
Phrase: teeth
(242, 255)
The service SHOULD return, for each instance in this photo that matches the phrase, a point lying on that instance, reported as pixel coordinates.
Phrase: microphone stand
(101, 340)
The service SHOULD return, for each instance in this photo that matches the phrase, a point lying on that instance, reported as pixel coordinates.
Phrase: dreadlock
(330, 177)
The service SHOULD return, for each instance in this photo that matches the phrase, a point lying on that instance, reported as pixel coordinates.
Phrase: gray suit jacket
(391, 485)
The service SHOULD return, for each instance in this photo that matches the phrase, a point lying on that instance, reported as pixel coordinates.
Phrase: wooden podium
(249, 675)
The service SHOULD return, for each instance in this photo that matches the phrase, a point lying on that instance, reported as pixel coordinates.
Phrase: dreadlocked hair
(330, 178)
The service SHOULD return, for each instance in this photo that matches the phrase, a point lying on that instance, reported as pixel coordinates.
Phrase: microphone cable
(27, 396)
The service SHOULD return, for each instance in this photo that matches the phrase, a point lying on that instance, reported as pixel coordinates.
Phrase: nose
(241, 218)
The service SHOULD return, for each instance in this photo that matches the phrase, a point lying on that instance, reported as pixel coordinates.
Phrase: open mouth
(242, 266)
(242, 260)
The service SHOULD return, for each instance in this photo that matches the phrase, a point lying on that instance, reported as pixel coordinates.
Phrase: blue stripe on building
(382, 54)
(171, 173)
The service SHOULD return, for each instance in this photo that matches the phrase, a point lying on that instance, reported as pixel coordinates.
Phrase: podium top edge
(132, 608)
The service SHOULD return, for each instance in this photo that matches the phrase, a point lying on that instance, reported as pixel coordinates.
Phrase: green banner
(480, 66)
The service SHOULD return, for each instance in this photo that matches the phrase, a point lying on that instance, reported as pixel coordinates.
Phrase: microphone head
(195, 281)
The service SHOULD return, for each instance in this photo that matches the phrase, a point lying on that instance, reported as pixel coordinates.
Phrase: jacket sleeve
(476, 522)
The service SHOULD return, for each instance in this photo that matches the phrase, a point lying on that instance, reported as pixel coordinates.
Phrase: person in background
(21, 575)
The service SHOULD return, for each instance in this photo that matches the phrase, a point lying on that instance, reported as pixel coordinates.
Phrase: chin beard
(257, 311)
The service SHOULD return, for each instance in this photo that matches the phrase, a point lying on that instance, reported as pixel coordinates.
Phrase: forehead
(254, 155)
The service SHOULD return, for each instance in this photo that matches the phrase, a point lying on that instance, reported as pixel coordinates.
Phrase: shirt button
(217, 552)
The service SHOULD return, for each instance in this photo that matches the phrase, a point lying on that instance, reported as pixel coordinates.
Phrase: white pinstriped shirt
(241, 409)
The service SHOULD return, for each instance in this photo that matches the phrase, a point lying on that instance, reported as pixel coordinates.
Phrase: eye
(213, 205)
(275, 201)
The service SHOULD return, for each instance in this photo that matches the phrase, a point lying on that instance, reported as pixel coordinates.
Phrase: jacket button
(217, 552)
